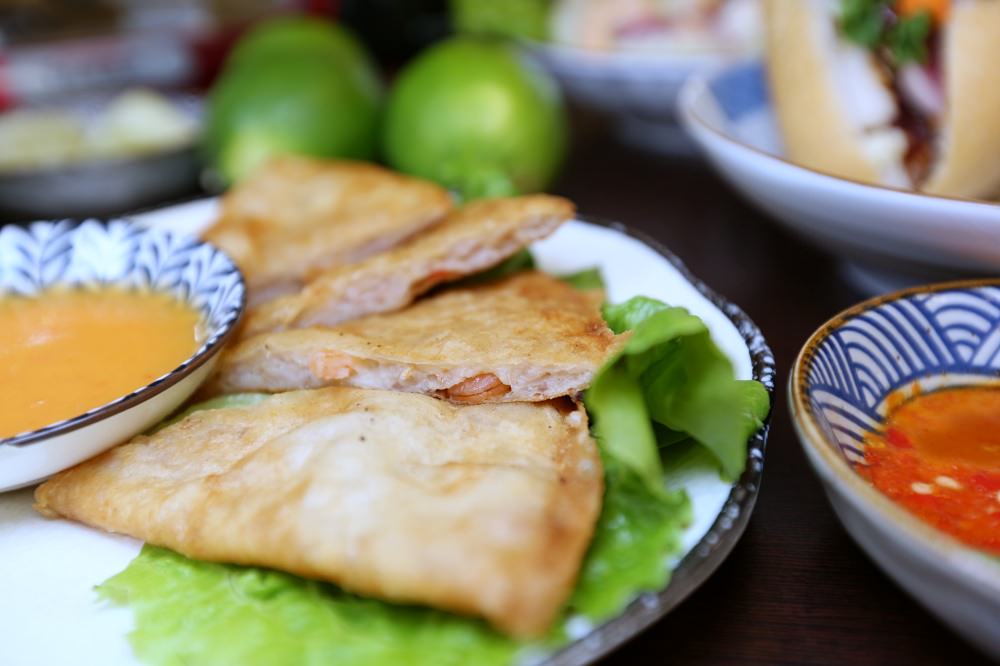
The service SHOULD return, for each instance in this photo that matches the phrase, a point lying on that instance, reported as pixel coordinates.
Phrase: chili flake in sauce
(939, 457)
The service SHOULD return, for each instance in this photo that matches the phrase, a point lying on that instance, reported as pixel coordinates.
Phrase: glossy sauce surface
(939, 456)
(65, 352)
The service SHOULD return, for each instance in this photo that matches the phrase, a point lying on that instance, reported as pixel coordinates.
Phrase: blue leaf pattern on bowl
(951, 335)
(93, 253)
(101, 253)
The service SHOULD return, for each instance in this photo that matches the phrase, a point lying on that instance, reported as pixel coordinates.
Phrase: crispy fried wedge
(296, 215)
(485, 510)
(528, 337)
(471, 239)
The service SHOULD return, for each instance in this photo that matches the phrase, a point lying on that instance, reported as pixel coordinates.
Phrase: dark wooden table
(796, 589)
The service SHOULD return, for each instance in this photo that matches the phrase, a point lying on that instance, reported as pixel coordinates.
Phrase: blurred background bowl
(627, 60)
(637, 90)
(100, 188)
(102, 185)
(887, 238)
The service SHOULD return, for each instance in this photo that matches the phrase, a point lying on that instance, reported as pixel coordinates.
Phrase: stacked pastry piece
(424, 442)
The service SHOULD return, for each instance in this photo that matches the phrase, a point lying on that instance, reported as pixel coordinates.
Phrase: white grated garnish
(922, 488)
(948, 482)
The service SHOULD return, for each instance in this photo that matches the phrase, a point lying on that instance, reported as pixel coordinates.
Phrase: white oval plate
(892, 238)
(48, 568)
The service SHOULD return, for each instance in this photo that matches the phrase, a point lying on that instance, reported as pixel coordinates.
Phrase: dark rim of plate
(706, 555)
(157, 386)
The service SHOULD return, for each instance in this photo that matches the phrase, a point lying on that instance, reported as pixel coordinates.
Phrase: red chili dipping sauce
(939, 456)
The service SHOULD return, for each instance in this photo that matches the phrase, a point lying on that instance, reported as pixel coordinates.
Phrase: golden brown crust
(538, 335)
(816, 130)
(295, 215)
(471, 239)
(484, 510)
(970, 162)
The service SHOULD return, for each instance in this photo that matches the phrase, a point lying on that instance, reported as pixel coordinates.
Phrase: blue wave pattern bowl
(92, 253)
(923, 339)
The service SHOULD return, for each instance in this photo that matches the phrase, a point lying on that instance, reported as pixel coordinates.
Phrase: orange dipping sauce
(65, 352)
(939, 456)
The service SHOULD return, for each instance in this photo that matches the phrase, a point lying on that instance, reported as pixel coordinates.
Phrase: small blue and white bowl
(889, 238)
(933, 337)
(46, 254)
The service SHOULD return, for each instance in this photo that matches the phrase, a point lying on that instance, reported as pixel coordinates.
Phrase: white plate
(891, 238)
(48, 568)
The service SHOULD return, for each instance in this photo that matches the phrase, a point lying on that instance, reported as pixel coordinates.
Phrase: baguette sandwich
(901, 93)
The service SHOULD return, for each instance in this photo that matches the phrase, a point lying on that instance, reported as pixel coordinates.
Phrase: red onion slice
(922, 89)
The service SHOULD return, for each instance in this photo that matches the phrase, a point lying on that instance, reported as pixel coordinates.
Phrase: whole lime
(471, 115)
(297, 34)
(292, 86)
(291, 105)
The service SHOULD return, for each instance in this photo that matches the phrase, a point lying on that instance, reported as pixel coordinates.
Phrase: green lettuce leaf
(191, 612)
(222, 402)
(622, 426)
(686, 384)
(521, 261)
(584, 280)
(638, 529)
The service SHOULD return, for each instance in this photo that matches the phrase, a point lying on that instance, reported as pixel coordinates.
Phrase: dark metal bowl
(105, 186)
(98, 188)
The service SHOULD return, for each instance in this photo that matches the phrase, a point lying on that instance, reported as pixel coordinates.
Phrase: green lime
(286, 35)
(292, 104)
(518, 19)
(472, 115)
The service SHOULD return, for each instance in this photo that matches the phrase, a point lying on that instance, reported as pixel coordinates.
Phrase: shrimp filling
(477, 389)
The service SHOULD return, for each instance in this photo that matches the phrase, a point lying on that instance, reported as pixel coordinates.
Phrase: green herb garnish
(907, 40)
(875, 25)
(864, 21)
